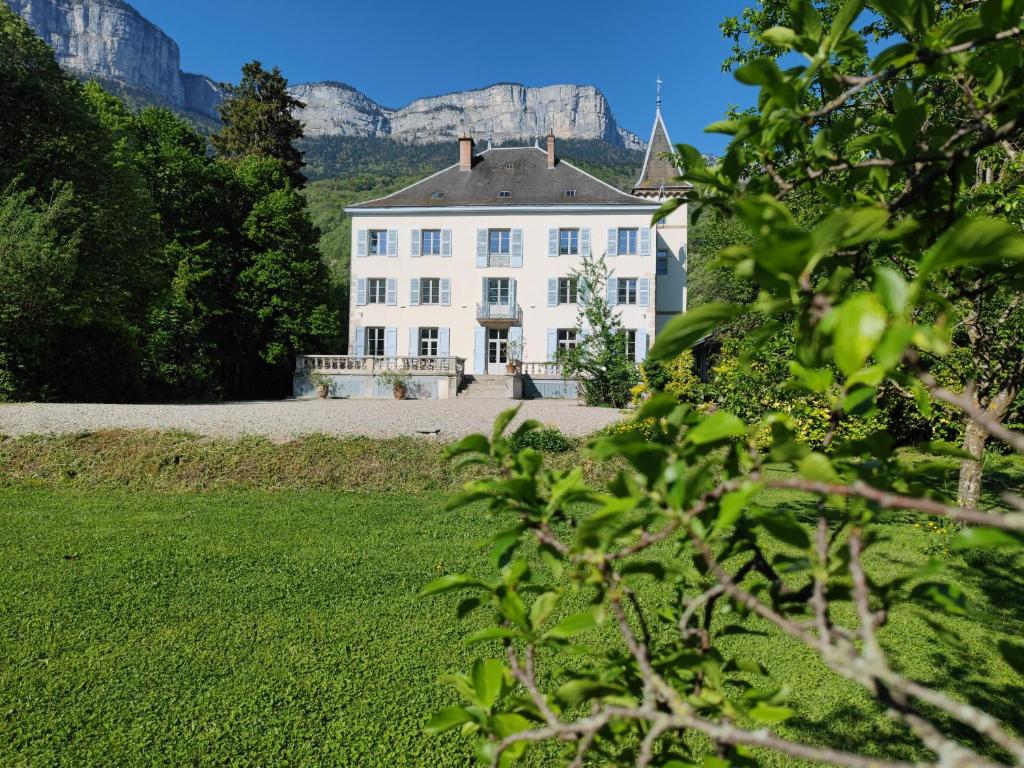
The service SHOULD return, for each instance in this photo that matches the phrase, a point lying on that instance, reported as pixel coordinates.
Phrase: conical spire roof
(659, 178)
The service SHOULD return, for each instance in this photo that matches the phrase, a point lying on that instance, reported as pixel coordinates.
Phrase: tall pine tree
(258, 120)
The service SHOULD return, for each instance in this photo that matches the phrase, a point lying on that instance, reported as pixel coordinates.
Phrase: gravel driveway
(287, 419)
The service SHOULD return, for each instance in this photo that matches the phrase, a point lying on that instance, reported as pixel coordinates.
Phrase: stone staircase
(486, 387)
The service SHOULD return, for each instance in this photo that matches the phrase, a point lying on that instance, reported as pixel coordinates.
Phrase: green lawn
(283, 628)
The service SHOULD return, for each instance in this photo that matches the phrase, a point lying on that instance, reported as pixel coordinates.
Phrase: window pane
(661, 267)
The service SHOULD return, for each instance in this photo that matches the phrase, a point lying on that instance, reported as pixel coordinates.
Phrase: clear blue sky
(396, 51)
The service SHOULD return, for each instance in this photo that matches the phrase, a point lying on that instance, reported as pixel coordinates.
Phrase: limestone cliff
(504, 112)
(110, 40)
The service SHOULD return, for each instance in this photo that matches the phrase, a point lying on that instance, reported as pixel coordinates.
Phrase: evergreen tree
(258, 120)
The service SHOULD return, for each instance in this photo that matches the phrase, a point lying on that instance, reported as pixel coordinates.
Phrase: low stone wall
(539, 387)
(352, 385)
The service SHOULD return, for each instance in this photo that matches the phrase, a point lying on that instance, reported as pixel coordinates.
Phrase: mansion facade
(476, 263)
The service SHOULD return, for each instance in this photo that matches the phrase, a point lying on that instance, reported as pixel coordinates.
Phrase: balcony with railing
(499, 260)
(499, 314)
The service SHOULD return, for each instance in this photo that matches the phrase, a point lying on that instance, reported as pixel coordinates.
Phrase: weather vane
(659, 82)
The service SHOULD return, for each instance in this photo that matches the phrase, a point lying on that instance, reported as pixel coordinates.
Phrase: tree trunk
(975, 438)
(970, 469)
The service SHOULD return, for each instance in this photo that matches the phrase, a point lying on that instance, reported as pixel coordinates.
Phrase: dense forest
(134, 262)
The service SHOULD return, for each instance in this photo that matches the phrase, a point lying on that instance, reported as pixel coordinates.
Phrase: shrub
(674, 376)
(544, 439)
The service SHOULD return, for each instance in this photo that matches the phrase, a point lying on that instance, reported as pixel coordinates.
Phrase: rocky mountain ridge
(112, 41)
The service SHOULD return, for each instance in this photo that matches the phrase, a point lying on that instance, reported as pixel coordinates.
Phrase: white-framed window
(568, 290)
(499, 291)
(567, 338)
(376, 290)
(631, 344)
(374, 342)
(429, 342)
(628, 239)
(430, 290)
(378, 242)
(661, 267)
(499, 242)
(430, 242)
(627, 290)
(568, 242)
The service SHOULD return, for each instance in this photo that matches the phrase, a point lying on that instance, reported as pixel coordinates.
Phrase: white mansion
(452, 272)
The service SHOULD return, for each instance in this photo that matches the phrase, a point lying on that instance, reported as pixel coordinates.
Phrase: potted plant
(321, 385)
(514, 356)
(398, 382)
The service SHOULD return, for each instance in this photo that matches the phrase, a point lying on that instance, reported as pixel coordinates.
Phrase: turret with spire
(659, 178)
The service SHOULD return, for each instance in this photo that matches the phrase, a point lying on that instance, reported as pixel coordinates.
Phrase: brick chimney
(465, 153)
(551, 149)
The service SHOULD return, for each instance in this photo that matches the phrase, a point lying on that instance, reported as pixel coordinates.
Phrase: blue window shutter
(552, 343)
(512, 293)
(585, 242)
(645, 241)
(414, 342)
(643, 292)
(552, 242)
(359, 339)
(613, 242)
(641, 346)
(517, 248)
(414, 242)
(414, 292)
(444, 342)
(392, 291)
(481, 248)
(583, 293)
(446, 292)
(446, 242)
(613, 291)
(361, 291)
(480, 351)
(552, 291)
(392, 242)
(362, 243)
(391, 342)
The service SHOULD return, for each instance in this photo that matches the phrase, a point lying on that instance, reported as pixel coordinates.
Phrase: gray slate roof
(529, 181)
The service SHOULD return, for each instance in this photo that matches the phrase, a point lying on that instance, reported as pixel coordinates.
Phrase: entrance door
(497, 350)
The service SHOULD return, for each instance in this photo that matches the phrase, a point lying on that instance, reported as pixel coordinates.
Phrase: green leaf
(450, 582)
(970, 538)
(974, 243)
(817, 380)
(508, 723)
(785, 529)
(501, 423)
(762, 71)
(489, 633)
(488, 676)
(542, 608)
(575, 624)
(469, 444)
(859, 326)
(1013, 653)
(685, 330)
(769, 714)
(780, 37)
(447, 719)
(504, 546)
(893, 288)
(576, 691)
(946, 597)
(657, 406)
(817, 467)
(718, 426)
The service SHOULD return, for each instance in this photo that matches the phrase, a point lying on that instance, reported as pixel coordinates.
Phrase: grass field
(282, 628)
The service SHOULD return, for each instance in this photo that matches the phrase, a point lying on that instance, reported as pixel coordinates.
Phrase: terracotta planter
(323, 391)
(510, 369)
(400, 392)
